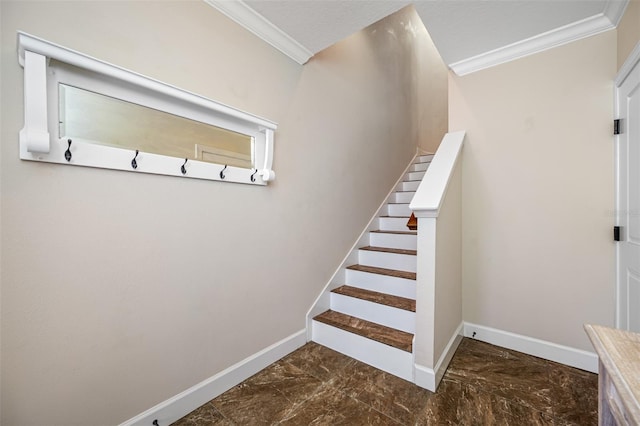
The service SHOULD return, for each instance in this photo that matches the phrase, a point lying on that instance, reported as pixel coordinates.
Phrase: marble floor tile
(456, 403)
(388, 394)
(332, 407)
(207, 415)
(319, 361)
(484, 385)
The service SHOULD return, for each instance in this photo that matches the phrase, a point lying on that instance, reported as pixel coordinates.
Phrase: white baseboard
(185, 402)
(429, 378)
(573, 357)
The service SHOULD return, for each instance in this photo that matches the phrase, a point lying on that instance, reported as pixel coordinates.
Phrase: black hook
(222, 176)
(134, 163)
(67, 153)
(253, 179)
(183, 169)
(155, 423)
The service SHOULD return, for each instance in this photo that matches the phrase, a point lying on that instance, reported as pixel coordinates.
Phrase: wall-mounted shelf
(46, 65)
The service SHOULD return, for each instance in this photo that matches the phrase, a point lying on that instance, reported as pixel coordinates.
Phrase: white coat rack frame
(46, 64)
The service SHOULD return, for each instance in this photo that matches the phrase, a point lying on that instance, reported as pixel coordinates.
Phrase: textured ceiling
(317, 24)
(460, 29)
(463, 29)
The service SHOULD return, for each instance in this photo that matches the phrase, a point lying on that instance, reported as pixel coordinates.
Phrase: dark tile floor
(484, 385)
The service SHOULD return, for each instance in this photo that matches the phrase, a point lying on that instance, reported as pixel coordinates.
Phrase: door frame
(625, 70)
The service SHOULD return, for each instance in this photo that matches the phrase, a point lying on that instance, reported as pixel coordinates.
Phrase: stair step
(386, 358)
(378, 231)
(402, 196)
(412, 176)
(393, 223)
(398, 209)
(383, 271)
(424, 158)
(408, 186)
(369, 278)
(390, 250)
(419, 167)
(374, 306)
(389, 336)
(377, 297)
(393, 239)
(390, 258)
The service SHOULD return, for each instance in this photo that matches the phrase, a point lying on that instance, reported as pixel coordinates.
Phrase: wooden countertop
(619, 352)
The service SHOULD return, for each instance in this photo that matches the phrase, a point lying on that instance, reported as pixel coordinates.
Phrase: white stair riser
(381, 283)
(374, 312)
(408, 186)
(381, 259)
(386, 358)
(398, 241)
(424, 158)
(419, 167)
(399, 209)
(413, 176)
(402, 197)
(393, 223)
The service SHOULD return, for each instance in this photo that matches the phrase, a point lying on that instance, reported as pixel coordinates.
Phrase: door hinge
(616, 233)
(616, 126)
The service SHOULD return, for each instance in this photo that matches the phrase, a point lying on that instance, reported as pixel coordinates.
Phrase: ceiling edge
(629, 63)
(539, 43)
(614, 10)
(261, 27)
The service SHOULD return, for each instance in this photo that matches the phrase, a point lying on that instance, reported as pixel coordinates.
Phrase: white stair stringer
(380, 263)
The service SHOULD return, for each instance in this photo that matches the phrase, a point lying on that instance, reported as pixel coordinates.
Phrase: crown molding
(539, 43)
(614, 9)
(241, 13)
(629, 63)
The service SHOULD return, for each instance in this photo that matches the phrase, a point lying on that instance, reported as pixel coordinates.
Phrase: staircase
(372, 316)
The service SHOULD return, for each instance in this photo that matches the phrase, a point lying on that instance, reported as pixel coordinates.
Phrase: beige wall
(628, 31)
(120, 290)
(432, 83)
(538, 255)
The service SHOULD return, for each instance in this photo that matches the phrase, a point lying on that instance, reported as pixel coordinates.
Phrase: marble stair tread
(390, 250)
(396, 217)
(383, 271)
(381, 231)
(377, 297)
(386, 335)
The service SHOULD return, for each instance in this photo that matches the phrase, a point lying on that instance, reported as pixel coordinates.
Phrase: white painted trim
(538, 43)
(432, 189)
(244, 15)
(38, 145)
(34, 136)
(573, 357)
(627, 66)
(27, 42)
(625, 70)
(182, 404)
(429, 378)
(322, 302)
(614, 10)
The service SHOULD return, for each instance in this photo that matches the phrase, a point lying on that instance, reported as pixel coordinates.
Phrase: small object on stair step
(413, 222)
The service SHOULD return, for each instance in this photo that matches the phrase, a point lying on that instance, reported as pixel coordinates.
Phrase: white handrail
(429, 195)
